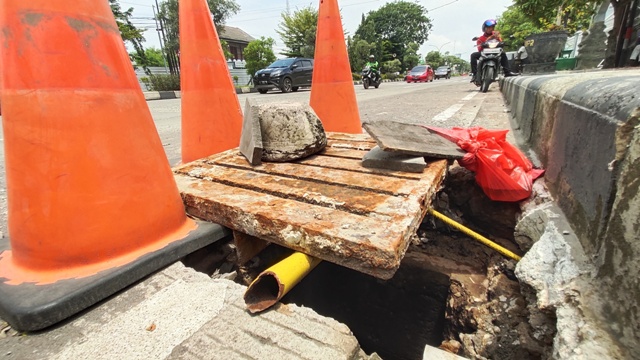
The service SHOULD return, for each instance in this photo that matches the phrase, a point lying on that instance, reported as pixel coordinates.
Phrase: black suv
(443, 72)
(285, 74)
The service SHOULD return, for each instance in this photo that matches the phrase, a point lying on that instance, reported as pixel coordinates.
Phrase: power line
(441, 6)
(128, 3)
(288, 6)
(280, 9)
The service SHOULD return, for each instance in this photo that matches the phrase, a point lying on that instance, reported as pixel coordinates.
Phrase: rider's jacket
(483, 39)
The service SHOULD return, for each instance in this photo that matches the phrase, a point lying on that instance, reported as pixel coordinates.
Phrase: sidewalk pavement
(179, 313)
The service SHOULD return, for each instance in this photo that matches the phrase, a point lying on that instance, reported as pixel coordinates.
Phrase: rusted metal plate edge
(431, 176)
(360, 243)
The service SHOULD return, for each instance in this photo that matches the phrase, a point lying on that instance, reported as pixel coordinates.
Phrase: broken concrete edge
(557, 278)
(584, 128)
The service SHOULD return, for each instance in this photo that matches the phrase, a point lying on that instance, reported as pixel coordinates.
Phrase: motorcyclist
(489, 33)
(373, 65)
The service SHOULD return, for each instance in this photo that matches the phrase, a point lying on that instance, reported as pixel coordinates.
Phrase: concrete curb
(584, 128)
(162, 95)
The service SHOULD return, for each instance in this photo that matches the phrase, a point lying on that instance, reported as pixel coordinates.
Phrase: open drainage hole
(394, 318)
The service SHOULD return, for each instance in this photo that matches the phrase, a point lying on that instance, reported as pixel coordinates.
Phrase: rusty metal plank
(356, 201)
(412, 139)
(358, 242)
(343, 153)
(354, 165)
(353, 179)
(345, 144)
(363, 137)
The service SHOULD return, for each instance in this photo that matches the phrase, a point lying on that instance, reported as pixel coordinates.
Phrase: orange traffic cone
(93, 205)
(333, 95)
(211, 113)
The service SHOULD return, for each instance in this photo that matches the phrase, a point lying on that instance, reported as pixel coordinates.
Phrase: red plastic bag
(503, 172)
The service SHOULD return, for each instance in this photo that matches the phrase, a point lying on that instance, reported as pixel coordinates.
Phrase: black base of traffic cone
(30, 307)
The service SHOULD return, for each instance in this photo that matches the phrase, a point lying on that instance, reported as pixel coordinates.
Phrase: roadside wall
(585, 129)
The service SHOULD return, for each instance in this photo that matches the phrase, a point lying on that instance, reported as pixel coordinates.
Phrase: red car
(420, 73)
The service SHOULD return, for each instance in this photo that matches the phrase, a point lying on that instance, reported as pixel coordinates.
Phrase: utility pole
(288, 9)
(164, 56)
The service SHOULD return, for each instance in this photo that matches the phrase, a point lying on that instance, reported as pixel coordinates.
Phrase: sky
(454, 22)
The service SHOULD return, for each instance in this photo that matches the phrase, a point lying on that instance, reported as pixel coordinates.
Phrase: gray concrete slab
(378, 159)
(180, 313)
(251, 139)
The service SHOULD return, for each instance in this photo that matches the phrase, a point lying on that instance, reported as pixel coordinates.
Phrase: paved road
(444, 103)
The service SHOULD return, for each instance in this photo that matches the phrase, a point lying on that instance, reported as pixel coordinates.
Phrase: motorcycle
(489, 63)
(369, 78)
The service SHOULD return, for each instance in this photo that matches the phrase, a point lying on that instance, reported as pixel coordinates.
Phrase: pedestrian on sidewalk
(521, 58)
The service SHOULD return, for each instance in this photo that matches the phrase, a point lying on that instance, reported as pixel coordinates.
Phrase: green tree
(221, 10)
(259, 54)
(130, 33)
(434, 58)
(456, 62)
(515, 26)
(557, 14)
(393, 66)
(393, 26)
(298, 32)
(359, 51)
(153, 57)
(411, 57)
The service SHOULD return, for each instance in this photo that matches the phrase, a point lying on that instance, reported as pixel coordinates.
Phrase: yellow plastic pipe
(475, 235)
(275, 282)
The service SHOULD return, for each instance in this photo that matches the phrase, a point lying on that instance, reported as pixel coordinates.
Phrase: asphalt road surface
(443, 103)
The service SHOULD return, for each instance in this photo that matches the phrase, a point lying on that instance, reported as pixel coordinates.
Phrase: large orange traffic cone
(211, 113)
(93, 205)
(333, 95)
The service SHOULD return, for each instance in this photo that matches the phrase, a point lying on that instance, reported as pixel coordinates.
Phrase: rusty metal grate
(327, 205)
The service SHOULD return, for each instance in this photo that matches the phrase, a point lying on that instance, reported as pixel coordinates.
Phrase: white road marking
(445, 115)
(470, 96)
(453, 109)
